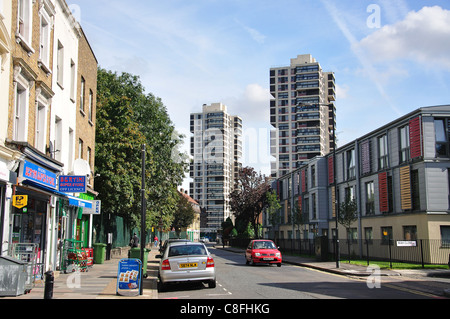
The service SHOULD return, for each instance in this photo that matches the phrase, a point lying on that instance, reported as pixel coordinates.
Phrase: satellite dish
(81, 168)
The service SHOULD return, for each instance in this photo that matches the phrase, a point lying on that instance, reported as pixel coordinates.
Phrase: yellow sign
(20, 201)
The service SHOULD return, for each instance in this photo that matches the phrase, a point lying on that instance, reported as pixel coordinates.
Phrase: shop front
(7, 178)
(34, 211)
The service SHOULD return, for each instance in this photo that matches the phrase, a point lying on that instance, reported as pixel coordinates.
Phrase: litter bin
(13, 277)
(99, 253)
(136, 253)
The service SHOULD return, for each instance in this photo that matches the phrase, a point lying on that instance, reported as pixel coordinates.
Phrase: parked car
(263, 251)
(171, 240)
(204, 240)
(185, 262)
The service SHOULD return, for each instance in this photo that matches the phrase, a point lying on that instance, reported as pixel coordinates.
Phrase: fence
(422, 251)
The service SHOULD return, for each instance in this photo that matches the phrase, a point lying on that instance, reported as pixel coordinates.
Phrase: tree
(184, 214)
(127, 117)
(118, 141)
(273, 208)
(227, 228)
(298, 218)
(348, 212)
(249, 198)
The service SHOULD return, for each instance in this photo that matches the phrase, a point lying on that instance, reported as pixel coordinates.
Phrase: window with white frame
(58, 139)
(73, 79)
(82, 94)
(91, 104)
(20, 114)
(25, 20)
(71, 148)
(44, 52)
(80, 148)
(60, 65)
(41, 127)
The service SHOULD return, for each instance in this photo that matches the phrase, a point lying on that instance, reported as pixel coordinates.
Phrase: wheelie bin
(136, 254)
(99, 253)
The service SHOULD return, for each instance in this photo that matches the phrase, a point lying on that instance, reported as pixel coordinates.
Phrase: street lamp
(143, 214)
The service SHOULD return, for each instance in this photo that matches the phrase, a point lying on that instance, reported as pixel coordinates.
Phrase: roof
(189, 198)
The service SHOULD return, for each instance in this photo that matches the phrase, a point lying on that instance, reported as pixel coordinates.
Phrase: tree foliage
(184, 214)
(127, 118)
(249, 198)
(348, 212)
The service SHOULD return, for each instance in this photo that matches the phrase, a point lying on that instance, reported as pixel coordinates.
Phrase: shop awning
(77, 202)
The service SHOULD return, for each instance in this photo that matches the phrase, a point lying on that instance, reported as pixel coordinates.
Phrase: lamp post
(336, 205)
(143, 214)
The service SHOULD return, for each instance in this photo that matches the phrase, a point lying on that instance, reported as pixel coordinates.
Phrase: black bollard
(49, 282)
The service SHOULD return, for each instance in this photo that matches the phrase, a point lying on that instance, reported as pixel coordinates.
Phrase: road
(236, 280)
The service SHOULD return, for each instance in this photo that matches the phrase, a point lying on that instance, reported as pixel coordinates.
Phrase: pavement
(100, 282)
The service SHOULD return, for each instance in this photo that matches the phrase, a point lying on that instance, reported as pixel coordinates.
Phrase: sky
(389, 57)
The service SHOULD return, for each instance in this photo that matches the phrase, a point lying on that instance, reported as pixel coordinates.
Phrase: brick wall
(29, 63)
(87, 68)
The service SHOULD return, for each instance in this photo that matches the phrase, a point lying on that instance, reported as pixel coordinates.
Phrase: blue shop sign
(72, 184)
(38, 174)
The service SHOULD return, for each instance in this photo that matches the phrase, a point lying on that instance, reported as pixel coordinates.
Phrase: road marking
(412, 291)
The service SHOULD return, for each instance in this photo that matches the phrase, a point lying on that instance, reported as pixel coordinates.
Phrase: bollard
(448, 260)
(49, 282)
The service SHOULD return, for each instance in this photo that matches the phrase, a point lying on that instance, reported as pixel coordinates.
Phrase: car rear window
(186, 250)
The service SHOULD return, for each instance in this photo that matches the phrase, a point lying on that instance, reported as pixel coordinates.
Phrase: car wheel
(212, 284)
(247, 262)
(279, 265)
(160, 286)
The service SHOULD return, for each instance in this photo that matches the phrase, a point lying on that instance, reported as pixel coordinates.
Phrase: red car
(263, 251)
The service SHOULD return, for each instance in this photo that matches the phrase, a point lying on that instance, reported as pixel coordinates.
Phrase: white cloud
(254, 34)
(342, 91)
(422, 37)
(253, 104)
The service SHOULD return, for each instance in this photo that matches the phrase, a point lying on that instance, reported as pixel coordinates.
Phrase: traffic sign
(20, 201)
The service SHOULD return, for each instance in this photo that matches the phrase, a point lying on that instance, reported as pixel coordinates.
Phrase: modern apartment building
(302, 112)
(216, 149)
(398, 175)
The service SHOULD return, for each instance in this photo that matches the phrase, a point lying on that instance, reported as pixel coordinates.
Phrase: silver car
(186, 261)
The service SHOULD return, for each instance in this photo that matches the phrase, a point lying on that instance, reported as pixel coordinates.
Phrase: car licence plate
(268, 259)
(189, 265)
